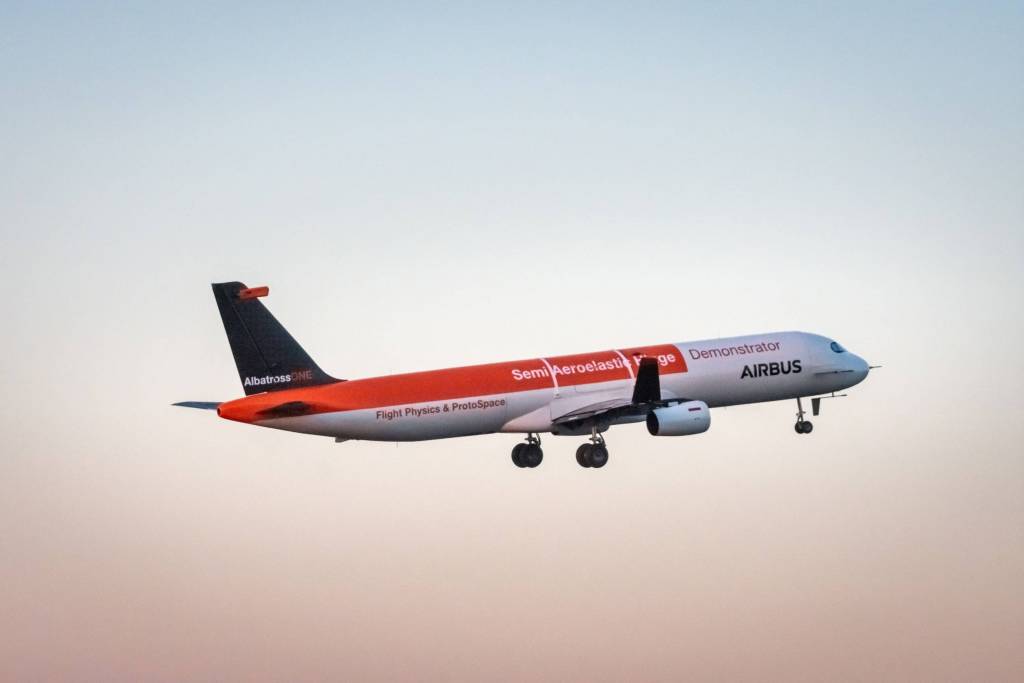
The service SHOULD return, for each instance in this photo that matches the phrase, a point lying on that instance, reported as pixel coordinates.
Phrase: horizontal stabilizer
(201, 405)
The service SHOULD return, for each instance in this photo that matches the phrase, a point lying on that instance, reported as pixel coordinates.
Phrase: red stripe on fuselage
(588, 368)
(670, 359)
(451, 383)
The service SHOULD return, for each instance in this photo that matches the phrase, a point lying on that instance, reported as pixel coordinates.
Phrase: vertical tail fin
(267, 357)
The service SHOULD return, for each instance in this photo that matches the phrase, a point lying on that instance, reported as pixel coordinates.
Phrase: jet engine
(682, 419)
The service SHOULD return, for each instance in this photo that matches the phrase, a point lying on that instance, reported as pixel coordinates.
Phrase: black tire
(799, 427)
(517, 454)
(808, 427)
(581, 455)
(532, 455)
(598, 456)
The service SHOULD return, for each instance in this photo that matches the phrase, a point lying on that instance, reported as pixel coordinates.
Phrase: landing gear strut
(528, 454)
(802, 426)
(593, 454)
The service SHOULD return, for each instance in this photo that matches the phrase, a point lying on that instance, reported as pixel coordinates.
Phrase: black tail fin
(268, 358)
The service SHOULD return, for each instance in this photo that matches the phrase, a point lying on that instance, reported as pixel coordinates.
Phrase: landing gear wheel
(598, 455)
(803, 427)
(528, 454)
(592, 455)
(581, 455)
(517, 454)
(532, 455)
(595, 453)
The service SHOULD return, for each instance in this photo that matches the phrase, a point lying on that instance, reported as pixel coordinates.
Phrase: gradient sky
(432, 186)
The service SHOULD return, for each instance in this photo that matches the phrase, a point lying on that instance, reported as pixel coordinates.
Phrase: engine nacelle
(682, 419)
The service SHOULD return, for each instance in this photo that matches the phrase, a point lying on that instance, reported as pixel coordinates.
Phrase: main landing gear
(593, 454)
(528, 454)
(802, 426)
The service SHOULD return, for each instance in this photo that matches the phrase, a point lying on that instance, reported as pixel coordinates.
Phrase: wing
(594, 410)
(201, 405)
(646, 395)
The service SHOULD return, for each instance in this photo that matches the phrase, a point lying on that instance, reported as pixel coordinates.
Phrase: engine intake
(682, 419)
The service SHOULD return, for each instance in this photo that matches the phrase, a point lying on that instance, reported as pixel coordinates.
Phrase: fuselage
(528, 396)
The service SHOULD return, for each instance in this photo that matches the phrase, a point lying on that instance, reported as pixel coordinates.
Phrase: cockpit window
(837, 347)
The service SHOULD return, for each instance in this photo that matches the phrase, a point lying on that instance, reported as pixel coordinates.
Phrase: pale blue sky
(430, 186)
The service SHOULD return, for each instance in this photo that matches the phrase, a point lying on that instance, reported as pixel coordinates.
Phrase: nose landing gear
(528, 454)
(802, 426)
(593, 454)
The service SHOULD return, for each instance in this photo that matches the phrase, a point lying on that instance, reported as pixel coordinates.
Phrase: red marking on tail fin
(253, 293)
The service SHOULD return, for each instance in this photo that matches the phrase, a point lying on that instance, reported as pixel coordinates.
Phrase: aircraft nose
(859, 366)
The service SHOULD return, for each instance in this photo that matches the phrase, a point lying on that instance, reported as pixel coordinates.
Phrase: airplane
(671, 387)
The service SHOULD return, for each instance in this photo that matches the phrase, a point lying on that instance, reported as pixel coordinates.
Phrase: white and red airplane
(671, 387)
